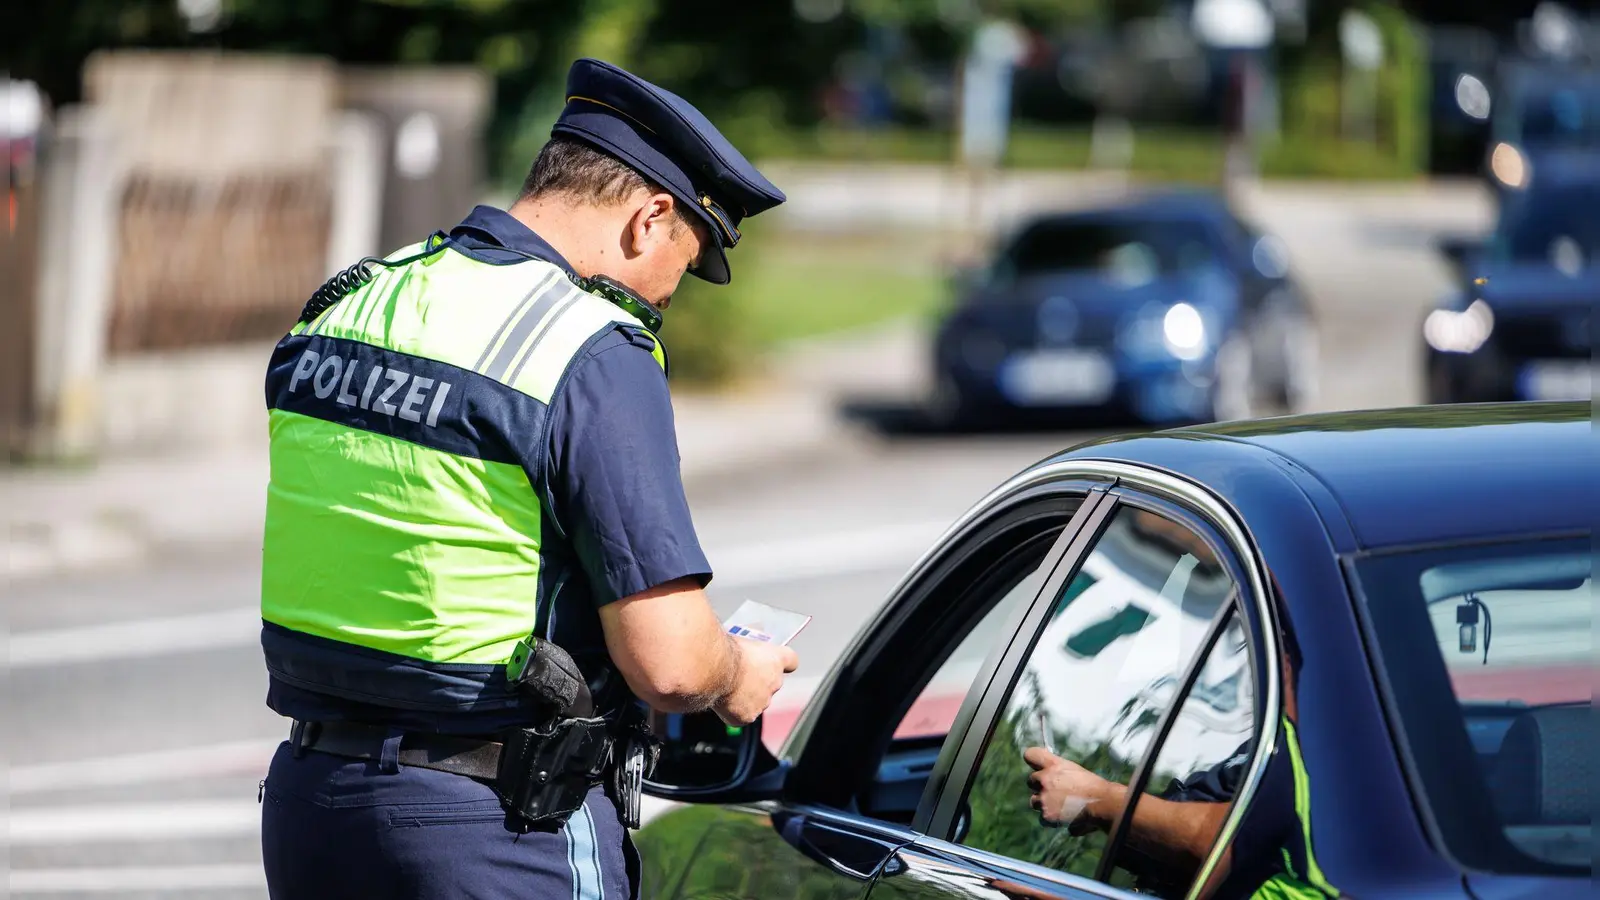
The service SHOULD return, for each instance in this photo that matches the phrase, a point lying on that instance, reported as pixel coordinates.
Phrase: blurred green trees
(761, 70)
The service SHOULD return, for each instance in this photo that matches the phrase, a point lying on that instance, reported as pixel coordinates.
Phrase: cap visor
(713, 266)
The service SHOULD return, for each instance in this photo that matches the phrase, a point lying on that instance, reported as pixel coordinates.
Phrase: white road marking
(891, 546)
(140, 638)
(229, 758)
(105, 880)
(141, 822)
(825, 555)
(184, 764)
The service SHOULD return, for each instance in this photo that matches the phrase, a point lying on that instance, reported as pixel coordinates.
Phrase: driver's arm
(1174, 836)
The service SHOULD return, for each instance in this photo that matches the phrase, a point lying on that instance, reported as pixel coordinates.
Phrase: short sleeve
(614, 475)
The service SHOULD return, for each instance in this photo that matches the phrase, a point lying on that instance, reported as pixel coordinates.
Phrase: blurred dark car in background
(1544, 113)
(1169, 308)
(1519, 325)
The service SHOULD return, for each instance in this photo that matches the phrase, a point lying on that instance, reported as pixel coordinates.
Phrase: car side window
(935, 708)
(1194, 775)
(1093, 689)
(990, 602)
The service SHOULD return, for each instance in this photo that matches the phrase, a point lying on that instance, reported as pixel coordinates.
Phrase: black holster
(545, 773)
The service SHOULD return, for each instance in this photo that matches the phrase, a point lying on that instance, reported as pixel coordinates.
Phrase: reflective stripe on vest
(1291, 885)
(402, 551)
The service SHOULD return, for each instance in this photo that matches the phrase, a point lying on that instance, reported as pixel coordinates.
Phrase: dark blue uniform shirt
(620, 522)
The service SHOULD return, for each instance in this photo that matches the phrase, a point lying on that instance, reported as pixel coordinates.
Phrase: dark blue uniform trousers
(343, 828)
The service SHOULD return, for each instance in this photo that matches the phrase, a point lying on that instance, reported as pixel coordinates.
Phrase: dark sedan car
(1520, 323)
(1168, 308)
(1347, 654)
(1543, 113)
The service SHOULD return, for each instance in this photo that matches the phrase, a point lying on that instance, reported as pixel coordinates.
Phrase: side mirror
(704, 760)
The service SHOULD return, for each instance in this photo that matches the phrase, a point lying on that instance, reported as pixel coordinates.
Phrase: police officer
(478, 558)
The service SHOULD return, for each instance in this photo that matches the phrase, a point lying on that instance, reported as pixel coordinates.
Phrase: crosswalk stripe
(109, 880)
(133, 822)
(739, 567)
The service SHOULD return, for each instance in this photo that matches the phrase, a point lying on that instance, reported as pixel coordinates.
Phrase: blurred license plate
(1057, 377)
(1557, 380)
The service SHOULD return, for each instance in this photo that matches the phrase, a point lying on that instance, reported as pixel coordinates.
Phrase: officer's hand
(761, 670)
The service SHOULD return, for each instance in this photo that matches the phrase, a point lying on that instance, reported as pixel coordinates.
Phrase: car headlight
(1184, 332)
(1449, 331)
(1509, 165)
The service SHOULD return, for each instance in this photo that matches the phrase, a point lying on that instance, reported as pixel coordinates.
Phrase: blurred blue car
(1544, 114)
(1519, 324)
(1169, 309)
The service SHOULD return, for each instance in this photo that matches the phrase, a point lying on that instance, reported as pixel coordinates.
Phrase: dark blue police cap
(671, 143)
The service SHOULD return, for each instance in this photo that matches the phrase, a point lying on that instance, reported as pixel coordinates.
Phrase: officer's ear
(653, 224)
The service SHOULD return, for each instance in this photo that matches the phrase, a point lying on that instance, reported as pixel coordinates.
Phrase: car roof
(1167, 204)
(1544, 74)
(1402, 476)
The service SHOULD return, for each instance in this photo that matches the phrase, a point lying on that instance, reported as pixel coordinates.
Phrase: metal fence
(223, 222)
(202, 263)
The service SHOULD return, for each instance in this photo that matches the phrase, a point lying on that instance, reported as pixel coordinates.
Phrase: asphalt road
(137, 733)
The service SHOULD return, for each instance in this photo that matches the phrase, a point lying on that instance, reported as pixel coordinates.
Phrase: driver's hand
(1064, 792)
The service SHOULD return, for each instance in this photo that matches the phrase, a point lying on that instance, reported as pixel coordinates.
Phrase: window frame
(1174, 497)
(827, 755)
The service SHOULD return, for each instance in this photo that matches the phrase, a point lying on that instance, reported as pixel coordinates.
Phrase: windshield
(1555, 227)
(1129, 252)
(1565, 115)
(1488, 654)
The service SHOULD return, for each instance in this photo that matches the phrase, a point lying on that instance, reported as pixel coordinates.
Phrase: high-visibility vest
(407, 513)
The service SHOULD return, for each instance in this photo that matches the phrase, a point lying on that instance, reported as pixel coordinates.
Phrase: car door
(861, 754)
(1139, 665)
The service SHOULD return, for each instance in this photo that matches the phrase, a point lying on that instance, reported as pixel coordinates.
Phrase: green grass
(1159, 152)
(801, 289)
(790, 286)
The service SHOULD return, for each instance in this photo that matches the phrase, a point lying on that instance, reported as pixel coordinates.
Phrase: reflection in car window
(1096, 683)
(1513, 626)
(1126, 251)
(1196, 772)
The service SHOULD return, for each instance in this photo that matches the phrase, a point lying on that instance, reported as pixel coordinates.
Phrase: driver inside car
(1170, 833)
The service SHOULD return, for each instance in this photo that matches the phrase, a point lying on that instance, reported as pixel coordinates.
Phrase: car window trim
(991, 860)
(942, 798)
(1083, 521)
(1216, 512)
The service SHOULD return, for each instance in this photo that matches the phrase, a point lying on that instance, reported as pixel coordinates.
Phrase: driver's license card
(760, 622)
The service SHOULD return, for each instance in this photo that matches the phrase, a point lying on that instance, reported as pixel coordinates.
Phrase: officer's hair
(576, 170)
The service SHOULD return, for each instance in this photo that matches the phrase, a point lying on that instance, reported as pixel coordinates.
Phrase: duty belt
(472, 757)
(540, 775)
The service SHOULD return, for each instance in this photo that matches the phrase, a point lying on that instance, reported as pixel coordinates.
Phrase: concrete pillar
(356, 153)
(433, 119)
(81, 179)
